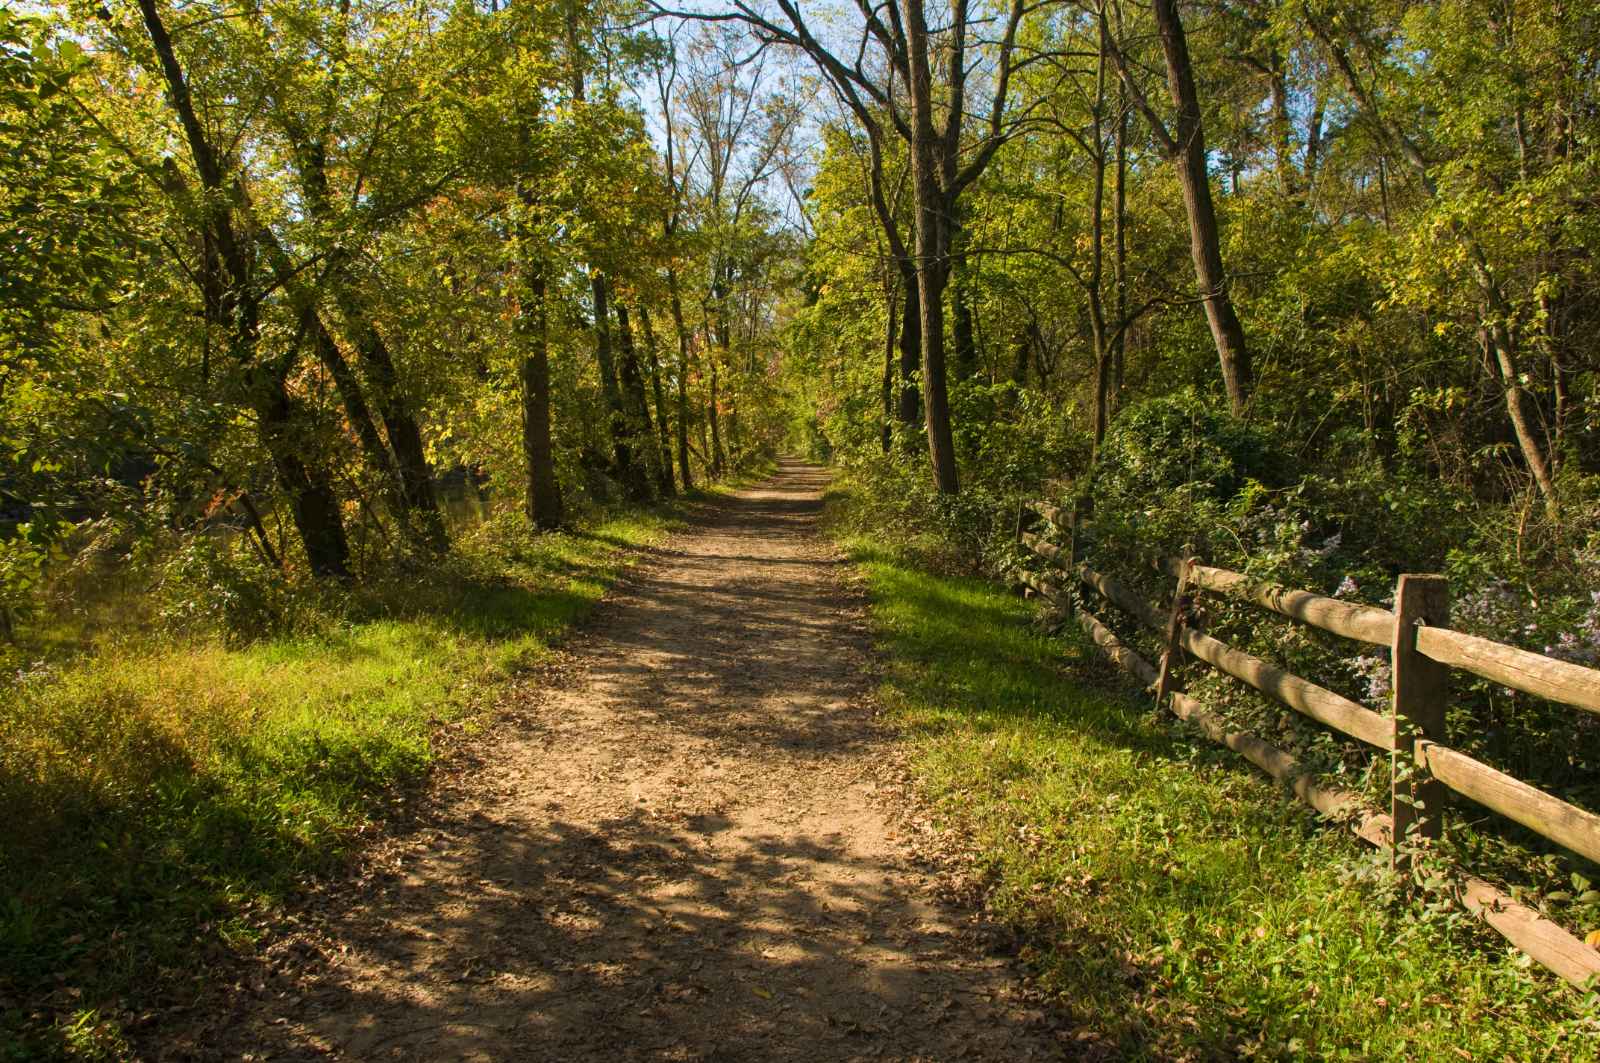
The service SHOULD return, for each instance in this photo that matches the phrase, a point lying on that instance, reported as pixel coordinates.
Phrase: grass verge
(157, 796)
(1173, 900)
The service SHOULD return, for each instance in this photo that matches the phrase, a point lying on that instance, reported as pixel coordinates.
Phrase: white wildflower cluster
(1375, 669)
(1580, 646)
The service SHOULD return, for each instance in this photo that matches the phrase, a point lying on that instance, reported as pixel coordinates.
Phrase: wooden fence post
(1421, 689)
(1082, 510)
(1079, 509)
(1169, 652)
(1024, 515)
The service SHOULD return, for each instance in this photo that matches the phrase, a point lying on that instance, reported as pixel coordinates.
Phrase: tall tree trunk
(624, 462)
(345, 381)
(664, 481)
(962, 333)
(705, 442)
(684, 353)
(1185, 146)
(600, 290)
(313, 503)
(1119, 238)
(910, 351)
(417, 505)
(1314, 138)
(1022, 351)
(1205, 246)
(724, 340)
(642, 476)
(718, 459)
(889, 336)
(1282, 126)
(932, 251)
(1097, 228)
(543, 496)
(353, 398)
(399, 419)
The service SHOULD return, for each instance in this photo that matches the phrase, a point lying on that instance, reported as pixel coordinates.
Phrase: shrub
(208, 584)
(1186, 441)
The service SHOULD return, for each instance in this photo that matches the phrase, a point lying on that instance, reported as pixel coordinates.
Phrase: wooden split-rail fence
(1423, 651)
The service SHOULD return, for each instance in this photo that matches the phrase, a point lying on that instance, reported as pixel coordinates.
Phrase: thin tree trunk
(345, 381)
(418, 507)
(932, 250)
(724, 334)
(684, 354)
(1096, 278)
(399, 419)
(910, 351)
(1021, 353)
(1097, 229)
(665, 481)
(962, 333)
(312, 499)
(636, 415)
(1522, 413)
(624, 463)
(1119, 239)
(890, 329)
(1205, 247)
(353, 398)
(1282, 126)
(259, 531)
(718, 460)
(543, 496)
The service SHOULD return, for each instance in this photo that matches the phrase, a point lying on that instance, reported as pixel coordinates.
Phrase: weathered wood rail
(1423, 651)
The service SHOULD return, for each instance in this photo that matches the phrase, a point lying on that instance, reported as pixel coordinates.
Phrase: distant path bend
(681, 851)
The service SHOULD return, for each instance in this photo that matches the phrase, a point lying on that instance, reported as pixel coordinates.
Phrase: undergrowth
(158, 791)
(1174, 901)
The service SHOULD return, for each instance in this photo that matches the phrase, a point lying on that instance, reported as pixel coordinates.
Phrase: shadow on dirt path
(685, 850)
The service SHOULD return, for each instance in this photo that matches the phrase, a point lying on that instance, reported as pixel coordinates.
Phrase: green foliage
(206, 585)
(23, 557)
(1185, 441)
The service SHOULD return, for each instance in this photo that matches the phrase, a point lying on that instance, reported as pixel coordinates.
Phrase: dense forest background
(314, 272)
(321, 313)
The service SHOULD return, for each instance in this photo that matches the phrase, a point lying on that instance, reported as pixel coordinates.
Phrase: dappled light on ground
(685, 849)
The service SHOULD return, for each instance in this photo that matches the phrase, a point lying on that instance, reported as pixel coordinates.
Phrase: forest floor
(693, 838)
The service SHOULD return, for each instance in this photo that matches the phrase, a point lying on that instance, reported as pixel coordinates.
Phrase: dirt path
(683, 851)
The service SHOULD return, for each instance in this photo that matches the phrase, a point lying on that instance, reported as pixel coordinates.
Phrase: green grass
(157, 796)
(1172, 899)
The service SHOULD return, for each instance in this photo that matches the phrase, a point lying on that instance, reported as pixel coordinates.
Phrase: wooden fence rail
(1423, 650)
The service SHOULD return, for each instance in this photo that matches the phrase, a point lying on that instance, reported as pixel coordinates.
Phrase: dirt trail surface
(683, 848)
